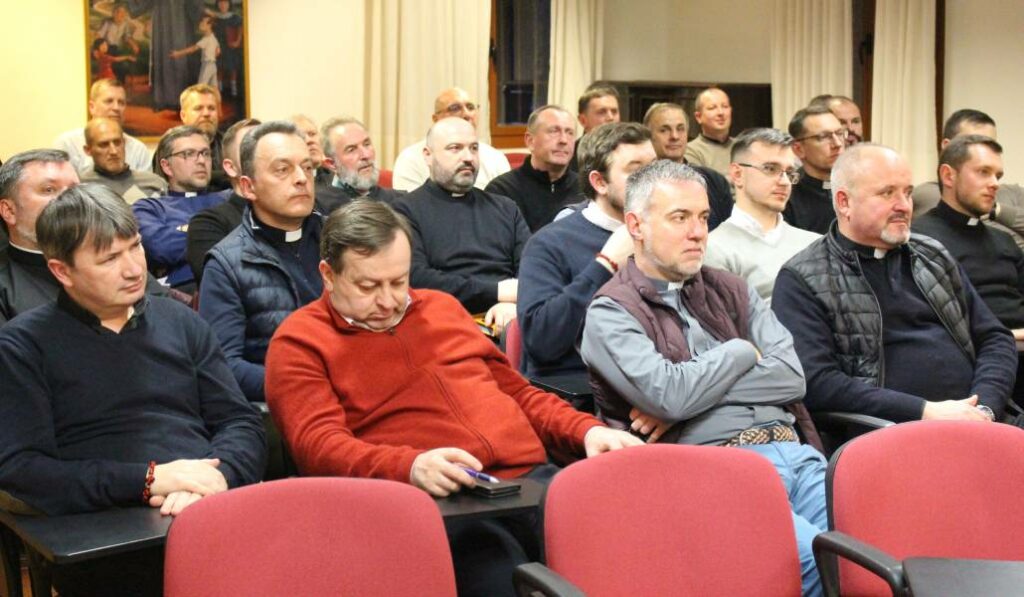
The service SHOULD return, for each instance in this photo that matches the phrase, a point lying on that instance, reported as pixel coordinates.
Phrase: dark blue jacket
(247, 292)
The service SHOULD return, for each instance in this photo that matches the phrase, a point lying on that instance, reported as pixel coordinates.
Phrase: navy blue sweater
(83, 409)
(557, 278)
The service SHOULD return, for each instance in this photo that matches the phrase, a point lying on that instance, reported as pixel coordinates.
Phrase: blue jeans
(802, 469)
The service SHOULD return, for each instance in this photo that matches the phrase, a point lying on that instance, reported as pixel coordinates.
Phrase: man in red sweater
(377, 380)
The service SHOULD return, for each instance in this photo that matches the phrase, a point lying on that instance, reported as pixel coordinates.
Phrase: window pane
(522, 57)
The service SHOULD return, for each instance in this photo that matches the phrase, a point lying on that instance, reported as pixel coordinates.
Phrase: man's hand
(173, 503)
(499, 316)
(600, 439)
(508, 290)
(645, 424)
(439, 471)
(618, 247)
(194, 476)
(1018, 334)
(954, 410)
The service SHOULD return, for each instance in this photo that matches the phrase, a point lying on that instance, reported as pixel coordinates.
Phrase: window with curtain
(520, 60)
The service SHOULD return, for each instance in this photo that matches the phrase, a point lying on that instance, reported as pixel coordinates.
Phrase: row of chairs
(657, 520)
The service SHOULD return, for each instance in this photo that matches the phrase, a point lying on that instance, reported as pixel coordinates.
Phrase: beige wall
(984, 53)
(687, 41)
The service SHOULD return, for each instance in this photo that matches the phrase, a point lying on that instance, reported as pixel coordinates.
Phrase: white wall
(687, 41)
(984, 58)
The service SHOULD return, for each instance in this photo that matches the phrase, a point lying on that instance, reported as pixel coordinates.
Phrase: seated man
(466, 242)
(755, 241)
(712, 147)
(200, 107)
(692, 355)
(410, 169)
(885, 322)
(307, 128)
(210, 226)
(267, 267)
(544, 184)
(377, 380)
(567, 261)
(348, 151)
(112, 398)
(28, 182)
(598, 105)
(107, 99)
(183, 156)
(104, 143)
(818, 140)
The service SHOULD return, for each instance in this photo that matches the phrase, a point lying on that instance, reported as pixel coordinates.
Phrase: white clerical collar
(291, 236)
(973, 221)
(20, 248)
(597, 217)
(880, 253)
(359, 324)
(675, 285)
(745, 221)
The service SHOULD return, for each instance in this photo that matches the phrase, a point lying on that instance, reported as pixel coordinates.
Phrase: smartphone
(496, 490)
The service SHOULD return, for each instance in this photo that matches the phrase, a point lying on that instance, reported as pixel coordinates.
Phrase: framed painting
(157, 48)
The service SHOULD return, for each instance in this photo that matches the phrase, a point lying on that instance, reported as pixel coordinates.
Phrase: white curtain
(415, 49)
(811, 53)
(903, 84)
(577, 45)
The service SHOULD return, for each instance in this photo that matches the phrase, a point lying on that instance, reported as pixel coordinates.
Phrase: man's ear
(229, 168)
(843, 202)
(633, 224)
(60, 270)
(165, 166)
(7, 213)
(330, 164)
(427, 157)
(598, 182)
(947, 176)
(246, 187)
(326, 274)
(798, 150)
(736, 175)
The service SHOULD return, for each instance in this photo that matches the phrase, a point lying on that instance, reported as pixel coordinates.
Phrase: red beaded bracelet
(611, 264)
(147, 490)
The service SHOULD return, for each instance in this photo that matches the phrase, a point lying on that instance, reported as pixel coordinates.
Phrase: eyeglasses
(456, 108)
(838, 135)
(191, 155)
(774, 171)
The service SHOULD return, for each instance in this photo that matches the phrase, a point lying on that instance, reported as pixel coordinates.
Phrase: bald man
(466, 242)
(411, 169)
(712, 147)
(105, 144)
(108, 99)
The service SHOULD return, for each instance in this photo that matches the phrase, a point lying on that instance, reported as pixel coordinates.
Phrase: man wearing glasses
(411, 169)
(183, 158)
(818, 139)
(756, 241)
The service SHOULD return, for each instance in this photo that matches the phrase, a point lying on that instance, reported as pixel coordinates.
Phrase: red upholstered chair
(514, 344)
(667, 520)
(948, 489)
(516, 158)
(310, 536)
(385, 179)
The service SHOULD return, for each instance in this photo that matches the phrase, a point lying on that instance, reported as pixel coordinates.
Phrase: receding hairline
(443, 98)
(699, 100)
(662, 107)
(447, 122)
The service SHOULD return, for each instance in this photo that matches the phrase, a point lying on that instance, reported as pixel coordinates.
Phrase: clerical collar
(863, 250)
(361, 325)
(23, 249)
(808, 179)
(443, 192)
(182, 193)
(946, 212)
(745, 221)
(275, 235)
(596, 216)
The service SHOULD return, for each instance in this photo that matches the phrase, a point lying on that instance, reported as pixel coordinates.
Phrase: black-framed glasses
(774, 171)
(839, 135)
(191, 155)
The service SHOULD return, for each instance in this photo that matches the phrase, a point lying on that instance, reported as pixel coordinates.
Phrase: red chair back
(514, 344)
(385, 180)
(516, 158)
(949, 489)
(672, 520)
(310, 536)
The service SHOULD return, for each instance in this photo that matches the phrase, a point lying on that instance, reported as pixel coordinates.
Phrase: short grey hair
(765, 136)
(14, 168)
(365, 226)
(659, 107)
(640, 184)
(329, 125)
(85, 212)
(850, 166)
(247, 149)
(531, 122)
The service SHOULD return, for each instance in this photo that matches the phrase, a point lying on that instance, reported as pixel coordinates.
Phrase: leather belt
(764, 434)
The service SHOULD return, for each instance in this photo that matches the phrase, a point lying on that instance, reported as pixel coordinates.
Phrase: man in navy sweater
(568, 260)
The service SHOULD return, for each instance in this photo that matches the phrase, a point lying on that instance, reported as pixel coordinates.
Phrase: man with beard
(200, 107)
(818, 139)
(348, 151)
(466, 242)
(885, 322)
(105, 143)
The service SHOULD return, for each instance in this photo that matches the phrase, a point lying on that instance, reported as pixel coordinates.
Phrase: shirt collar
(808, 180)
(746, 222)
(182, 193)
(946, 212)
(863, 250)
(87, 317)
(275, 235)
(597, 217)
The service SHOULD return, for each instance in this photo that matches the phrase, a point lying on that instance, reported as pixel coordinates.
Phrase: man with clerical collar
(107, 99)
(28, 182)
(544, 184)
(466, 242)
(688, 354)
(886, 322)
(113, 398)
(598, 105)
(350, 156)
(568, 260)
(756, 240)
(818, 140)
(711, 147)
(267, 267)
(104, 143)
(183, 156)
(668, 125)
(378, 379)
(211, 225)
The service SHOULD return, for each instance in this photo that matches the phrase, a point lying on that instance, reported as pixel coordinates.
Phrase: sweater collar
(809, 181)
(72, 308)
(715, 141)
(346, 325)
(947, 213)
(542, 176)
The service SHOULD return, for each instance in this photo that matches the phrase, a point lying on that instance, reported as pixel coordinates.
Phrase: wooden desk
(942, 577)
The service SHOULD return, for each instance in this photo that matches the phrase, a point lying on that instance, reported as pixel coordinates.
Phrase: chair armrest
(842, 419)
(537, 580)
(830, 544)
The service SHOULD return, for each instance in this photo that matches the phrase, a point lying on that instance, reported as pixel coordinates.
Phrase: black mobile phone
(495, 490)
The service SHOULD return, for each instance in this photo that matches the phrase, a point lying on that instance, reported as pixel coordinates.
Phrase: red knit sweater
(352, 402)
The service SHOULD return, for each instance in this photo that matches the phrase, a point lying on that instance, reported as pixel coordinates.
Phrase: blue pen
(480, 476)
